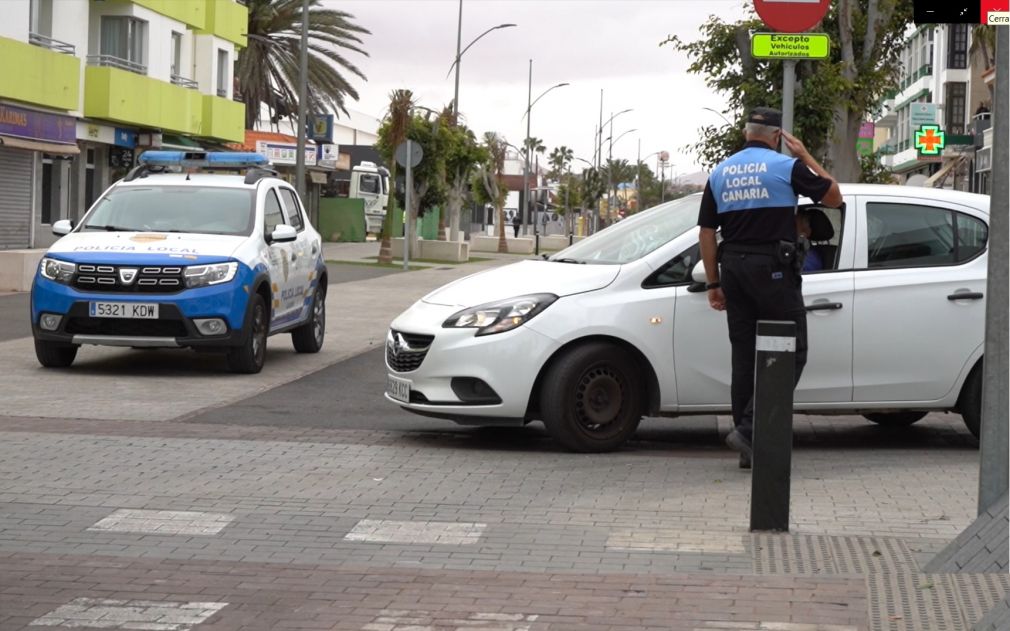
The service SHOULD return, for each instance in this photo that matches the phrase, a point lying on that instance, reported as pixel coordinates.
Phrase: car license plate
(141, 310)
(398, 389)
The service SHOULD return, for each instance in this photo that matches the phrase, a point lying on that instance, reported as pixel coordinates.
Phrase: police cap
(765, 116)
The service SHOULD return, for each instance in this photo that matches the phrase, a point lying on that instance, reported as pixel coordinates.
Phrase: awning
(53, 148)
(179, 143)
(937, 179)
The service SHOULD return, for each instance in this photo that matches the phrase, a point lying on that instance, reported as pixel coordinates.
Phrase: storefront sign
(983, 159)
(922, 114)
(864, 144)
(15, 121)
(105, 134)
(279, 153)
(320, 127)
(930, 140)
(120, 157)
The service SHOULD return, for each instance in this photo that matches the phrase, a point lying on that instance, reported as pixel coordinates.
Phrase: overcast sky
(611, 45)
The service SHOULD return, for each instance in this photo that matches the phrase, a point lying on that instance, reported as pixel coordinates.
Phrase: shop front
(106, 156)
(35, 152)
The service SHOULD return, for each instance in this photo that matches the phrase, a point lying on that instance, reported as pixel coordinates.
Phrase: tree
(594, 187)
(267, 69)
(430, 132)
(462, 155)
(833, 96)
(488, 184)
(394, 125)
(559, 160)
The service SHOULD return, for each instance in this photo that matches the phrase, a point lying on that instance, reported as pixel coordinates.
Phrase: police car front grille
(148, 279)
(126, 327)
(406, 351)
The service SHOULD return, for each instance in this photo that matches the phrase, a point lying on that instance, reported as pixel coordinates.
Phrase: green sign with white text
(790, 46)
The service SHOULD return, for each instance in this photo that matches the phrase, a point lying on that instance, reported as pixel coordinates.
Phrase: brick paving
(268, 596)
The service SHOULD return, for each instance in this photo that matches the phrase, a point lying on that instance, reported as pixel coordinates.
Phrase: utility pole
(526, 155)
(459, 41)
(303, 88)
(993, 433)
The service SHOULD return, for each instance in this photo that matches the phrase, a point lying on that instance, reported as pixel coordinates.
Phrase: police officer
(752, 198)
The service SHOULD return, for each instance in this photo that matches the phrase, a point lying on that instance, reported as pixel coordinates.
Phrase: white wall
(205, 69)
(70, 25)
(16, 19)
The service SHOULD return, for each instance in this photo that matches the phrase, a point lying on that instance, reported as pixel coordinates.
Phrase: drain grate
(977, 594)
(906, 601)
(868, 555)
(792, 554)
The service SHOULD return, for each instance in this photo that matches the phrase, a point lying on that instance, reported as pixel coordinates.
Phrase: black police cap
(765, 116)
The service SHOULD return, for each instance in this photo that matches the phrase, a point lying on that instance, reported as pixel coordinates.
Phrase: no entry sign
(791, 16)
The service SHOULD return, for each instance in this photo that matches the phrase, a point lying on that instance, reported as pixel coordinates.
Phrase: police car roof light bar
(206, 159)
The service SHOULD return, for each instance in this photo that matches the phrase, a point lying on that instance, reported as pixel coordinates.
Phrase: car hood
(526, 277)
(78, 246)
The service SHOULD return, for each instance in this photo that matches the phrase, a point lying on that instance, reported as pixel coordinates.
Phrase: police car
(618, 326)
(170, 258)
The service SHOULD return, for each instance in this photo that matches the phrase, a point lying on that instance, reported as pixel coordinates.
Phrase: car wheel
(592, 398)
(54, 354)
(249, 357)
(895, 419)
(308, 338)
(970, 402)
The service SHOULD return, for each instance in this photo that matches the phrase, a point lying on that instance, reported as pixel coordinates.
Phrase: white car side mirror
(698, 273)
(283, 234)
(62, 227)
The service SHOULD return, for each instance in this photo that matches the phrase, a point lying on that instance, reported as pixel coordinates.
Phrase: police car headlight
(498, 317)
(60, 271)
(203, 275)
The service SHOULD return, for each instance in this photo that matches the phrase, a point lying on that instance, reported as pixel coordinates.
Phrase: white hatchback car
(617, 326)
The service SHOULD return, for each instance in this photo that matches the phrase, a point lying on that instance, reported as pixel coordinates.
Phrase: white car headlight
(497, 317)
(203, 275)
(60, 271)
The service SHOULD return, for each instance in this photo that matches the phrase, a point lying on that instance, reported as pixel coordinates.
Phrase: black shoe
(738, 442)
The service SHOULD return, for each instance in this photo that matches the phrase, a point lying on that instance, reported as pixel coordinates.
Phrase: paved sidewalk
(125, 503)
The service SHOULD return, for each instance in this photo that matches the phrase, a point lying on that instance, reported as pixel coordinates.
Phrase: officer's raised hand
(795, 145)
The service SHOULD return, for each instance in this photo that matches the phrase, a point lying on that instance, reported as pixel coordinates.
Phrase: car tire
(251, 355)
(54, 354)
(308, 338)
(969, 404)
(592, 399)
(895, 419)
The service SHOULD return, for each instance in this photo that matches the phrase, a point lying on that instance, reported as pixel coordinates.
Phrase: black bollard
(774, 371)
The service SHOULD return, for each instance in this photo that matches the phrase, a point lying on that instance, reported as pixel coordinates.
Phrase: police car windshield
(632, 238)
(191, 209)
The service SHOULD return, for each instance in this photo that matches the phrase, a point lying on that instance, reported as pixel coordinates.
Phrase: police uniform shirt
(754, 179)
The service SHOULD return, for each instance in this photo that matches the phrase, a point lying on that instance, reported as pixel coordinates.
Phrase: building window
(124, 43)
(954, 106)
(957, 46)
(222, 72)
(41, 12)
(176, 54)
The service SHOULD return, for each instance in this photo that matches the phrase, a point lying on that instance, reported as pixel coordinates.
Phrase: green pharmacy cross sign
(930, 140)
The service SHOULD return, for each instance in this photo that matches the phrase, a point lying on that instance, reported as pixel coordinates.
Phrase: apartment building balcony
(38, 75)
(223, 118)
(117, 92)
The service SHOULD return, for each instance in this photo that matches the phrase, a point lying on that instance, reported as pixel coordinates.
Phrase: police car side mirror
(283, 234)
(62, 227)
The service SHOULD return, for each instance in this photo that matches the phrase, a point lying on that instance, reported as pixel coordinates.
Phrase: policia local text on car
(752, 198)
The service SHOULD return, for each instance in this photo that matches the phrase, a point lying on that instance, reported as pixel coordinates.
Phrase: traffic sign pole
(788, 97)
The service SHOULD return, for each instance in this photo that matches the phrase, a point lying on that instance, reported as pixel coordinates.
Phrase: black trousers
(758, 287)
(515, 227)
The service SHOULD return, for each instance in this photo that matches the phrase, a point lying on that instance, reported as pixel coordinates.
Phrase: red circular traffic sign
(791, 16)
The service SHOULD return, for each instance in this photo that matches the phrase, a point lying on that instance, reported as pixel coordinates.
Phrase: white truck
(371, 184)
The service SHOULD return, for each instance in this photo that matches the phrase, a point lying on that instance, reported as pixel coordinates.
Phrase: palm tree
(559, 160)
(396, 123)
(268, 68)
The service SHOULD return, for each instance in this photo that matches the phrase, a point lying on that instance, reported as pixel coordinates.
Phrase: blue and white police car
(177, 255)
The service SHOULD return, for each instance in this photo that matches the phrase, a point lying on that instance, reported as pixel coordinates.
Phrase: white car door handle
(824, 306)
(966, 295)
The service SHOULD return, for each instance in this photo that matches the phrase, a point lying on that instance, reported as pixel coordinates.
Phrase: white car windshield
(194, 209)
(636, 236)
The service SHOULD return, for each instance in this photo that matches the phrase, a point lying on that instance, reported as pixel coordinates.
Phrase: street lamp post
(526, 145)
(459, 53)
(610, 163)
